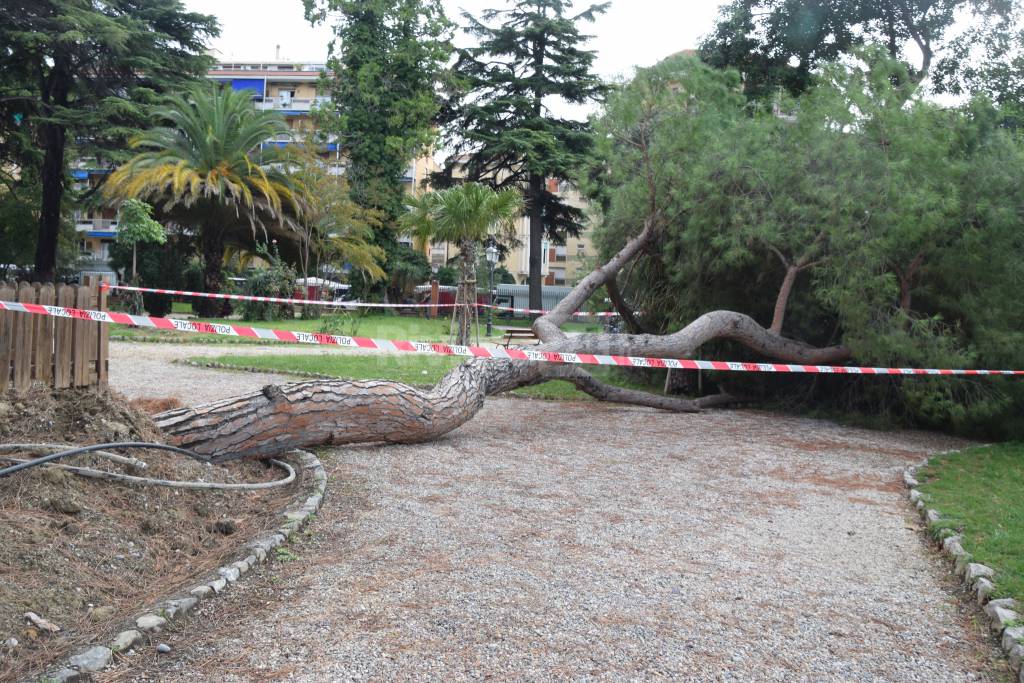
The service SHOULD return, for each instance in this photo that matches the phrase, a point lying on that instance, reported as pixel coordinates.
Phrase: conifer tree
(501, 124)
(79, 74)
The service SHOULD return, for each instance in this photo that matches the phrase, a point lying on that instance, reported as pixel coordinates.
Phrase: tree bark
(320, 412)
(212, 239)
(535, 278)
(782, 300)
(466, 312)
(622, 308)
(54, 138)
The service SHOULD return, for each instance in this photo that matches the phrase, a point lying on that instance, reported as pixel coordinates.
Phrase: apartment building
(95, 229)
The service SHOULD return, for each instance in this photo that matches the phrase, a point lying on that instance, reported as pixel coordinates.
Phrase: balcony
(289, 104)
(96, 225)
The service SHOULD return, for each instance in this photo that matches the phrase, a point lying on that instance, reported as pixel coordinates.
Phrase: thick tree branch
(789, 280)
(685, 343)
(548, 326)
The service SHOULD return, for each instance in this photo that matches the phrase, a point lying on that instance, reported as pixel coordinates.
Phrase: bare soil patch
(85, 554)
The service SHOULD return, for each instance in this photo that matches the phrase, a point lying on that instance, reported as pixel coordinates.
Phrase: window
(560, 254)
(559, 275)
(581, 249)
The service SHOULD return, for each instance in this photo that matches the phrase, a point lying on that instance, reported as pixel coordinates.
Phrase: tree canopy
(383, 69)
(203, 169)
(500, 124)
(82, 74)
(893, 222)
(779, 43)
(468, 215)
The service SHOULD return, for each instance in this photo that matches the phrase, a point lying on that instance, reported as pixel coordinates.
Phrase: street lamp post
(492, 259)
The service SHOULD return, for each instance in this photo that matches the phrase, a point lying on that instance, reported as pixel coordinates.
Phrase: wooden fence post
(22, 344)
(63, 340)
(82, 328)
(103, 330)
(44, 336)
(7, 293)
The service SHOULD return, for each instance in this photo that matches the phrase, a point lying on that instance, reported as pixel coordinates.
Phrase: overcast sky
(631, 33)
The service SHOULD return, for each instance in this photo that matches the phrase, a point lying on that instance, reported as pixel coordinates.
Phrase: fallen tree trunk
(320, 412)
(307, 414)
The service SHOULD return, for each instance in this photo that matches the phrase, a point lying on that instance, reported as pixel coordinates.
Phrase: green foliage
(333, 229)
(781, 43)
(897, 215)
(170, 265)
(385, 61)
(406, 268)
(447, 276)
(502, 275)
(135, 224)
(81, 76)
(277, 280)
(498, 123)
(19, 218)
(467, 213)
(346, 323)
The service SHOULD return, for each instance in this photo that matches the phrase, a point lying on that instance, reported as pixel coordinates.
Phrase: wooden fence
(58, 352)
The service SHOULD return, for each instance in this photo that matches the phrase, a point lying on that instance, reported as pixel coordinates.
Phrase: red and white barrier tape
(391, 345)
(334, 304)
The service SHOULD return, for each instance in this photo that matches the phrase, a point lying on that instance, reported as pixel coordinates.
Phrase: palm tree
(199, 171)
(466, 215)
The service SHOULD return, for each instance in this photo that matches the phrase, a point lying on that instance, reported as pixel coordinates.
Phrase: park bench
(519, 334)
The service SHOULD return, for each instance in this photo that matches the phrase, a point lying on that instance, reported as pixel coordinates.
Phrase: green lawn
(981, 492)
(374, 325)
(409, 369)
(378, 325)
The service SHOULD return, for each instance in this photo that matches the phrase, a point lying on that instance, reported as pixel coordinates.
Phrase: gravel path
(608, 543)
(147, 370)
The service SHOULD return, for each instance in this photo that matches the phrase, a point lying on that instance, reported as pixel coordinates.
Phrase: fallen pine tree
(314, 413)
(862, 218)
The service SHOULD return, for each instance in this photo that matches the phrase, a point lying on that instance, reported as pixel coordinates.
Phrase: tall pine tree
(83, 74)
(501, 127)
(385, 62)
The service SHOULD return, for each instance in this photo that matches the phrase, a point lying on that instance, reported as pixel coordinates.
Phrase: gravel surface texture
(569, 541)
(147, 370)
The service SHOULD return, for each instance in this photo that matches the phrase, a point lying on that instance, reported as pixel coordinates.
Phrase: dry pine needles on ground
(84, 553)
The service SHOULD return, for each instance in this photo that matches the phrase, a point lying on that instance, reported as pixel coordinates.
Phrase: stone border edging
(979, 579)
(81, 666)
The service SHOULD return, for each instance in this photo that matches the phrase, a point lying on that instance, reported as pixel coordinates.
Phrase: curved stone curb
(1001, 614)
(81, 666)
